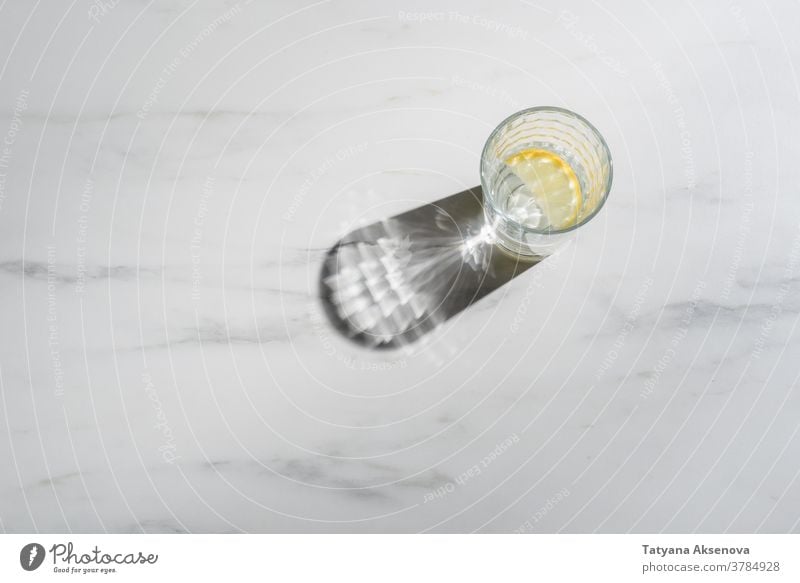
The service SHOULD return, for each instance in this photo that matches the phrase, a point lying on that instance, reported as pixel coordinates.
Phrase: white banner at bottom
(406, 558)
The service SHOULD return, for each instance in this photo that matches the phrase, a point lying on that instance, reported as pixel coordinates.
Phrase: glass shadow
(392, 282)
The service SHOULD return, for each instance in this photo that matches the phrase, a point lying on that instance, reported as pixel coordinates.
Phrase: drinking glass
(545, 172)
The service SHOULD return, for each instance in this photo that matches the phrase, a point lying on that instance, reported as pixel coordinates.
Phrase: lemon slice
(551, 182)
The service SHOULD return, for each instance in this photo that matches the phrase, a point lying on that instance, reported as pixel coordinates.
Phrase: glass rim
(540, 108)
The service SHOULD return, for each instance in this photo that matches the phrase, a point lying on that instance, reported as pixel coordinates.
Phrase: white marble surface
(173, 172)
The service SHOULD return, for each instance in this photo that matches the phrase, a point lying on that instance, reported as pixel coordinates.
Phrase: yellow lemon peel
(552, 183)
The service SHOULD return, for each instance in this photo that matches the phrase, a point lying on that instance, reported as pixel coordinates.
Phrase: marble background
(172, 173)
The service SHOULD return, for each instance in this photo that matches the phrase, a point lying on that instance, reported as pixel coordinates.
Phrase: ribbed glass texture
(563, 133)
